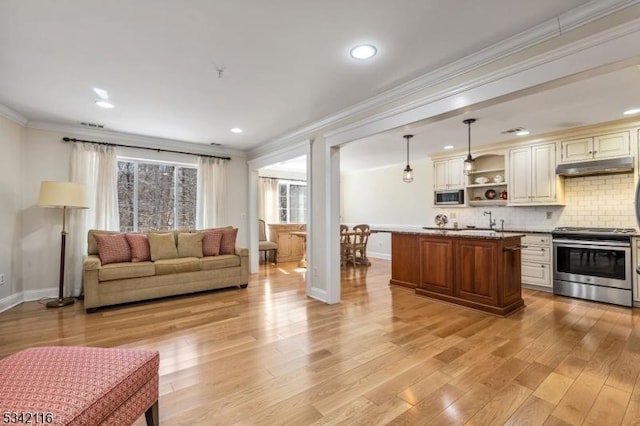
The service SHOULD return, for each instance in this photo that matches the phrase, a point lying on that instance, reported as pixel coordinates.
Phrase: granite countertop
(455, 233)
(517, 230)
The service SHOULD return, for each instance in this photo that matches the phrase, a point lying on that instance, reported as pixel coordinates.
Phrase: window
(292, 205)
(156, 195)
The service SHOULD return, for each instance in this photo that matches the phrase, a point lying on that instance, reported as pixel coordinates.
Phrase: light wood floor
(270, 355)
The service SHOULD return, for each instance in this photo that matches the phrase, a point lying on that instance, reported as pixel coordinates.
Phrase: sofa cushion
(120, 271)
(177, 265)
(228, 242)
(190, 245)
(113, 248)
(162, 245)
(139, 244)
(219, 262)
(211, 242)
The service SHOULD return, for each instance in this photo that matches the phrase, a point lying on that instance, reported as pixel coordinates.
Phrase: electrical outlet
(1, 279)
(315, 272)
(549, 215)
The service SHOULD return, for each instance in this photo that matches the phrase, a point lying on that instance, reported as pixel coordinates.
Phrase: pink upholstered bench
(79, 386)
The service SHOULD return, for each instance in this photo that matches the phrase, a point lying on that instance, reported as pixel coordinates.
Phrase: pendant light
(469, 163)
(407, 175)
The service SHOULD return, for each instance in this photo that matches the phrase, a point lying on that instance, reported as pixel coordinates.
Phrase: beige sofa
(125, 282)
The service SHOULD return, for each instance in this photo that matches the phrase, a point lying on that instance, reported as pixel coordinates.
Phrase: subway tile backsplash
(598, 201)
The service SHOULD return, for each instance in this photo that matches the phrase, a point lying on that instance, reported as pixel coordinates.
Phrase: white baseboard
(377, 255)
(10, 301)
(45, 293)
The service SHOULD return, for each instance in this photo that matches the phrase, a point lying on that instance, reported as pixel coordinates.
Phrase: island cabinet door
(478, 278)
(436, 265)
(511, 272)
(405, 257)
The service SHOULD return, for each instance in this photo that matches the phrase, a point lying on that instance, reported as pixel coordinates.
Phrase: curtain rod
(66, 139)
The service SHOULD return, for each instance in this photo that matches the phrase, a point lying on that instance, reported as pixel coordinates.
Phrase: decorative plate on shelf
(481, 180)
(441, 220)
(490, 194)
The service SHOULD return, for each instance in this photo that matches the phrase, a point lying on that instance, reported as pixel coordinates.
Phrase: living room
(34, 151)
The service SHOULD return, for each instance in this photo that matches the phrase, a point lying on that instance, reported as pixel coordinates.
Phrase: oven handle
(589, 244)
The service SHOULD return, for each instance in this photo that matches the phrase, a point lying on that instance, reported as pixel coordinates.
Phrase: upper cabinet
(595, 147)
(487, 185)
(447, 174)
(532, 176)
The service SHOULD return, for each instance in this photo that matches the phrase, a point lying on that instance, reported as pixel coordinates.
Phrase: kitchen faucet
(492, 223)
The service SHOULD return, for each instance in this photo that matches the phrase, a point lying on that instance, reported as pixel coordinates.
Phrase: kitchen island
(472, 268)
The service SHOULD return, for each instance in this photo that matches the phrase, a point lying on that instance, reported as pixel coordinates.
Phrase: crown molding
(570, 20)
(12, 115)
(136, 140)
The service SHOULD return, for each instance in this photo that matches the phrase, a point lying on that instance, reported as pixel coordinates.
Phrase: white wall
(11, 141)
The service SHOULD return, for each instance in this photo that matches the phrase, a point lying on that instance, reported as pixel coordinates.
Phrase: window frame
(288, 183)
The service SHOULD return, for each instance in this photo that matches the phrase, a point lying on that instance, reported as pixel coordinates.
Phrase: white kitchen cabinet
(595, 147)
(447, 174)
(532, 176)
(537, 261)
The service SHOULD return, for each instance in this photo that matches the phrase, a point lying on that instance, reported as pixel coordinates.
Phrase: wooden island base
(479, 271)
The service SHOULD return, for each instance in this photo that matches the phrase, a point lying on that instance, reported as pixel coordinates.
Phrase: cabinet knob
(542, 266)
(590, 152)
(542, 249)
(595, 152)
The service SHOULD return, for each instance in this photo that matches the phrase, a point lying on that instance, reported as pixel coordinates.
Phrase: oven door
(604, 263)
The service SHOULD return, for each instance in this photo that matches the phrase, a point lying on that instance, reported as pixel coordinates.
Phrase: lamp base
(59, 303)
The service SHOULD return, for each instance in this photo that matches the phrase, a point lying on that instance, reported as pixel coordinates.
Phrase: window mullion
(135, 196)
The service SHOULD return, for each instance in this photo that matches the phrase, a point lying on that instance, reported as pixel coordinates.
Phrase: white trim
(45, 293)
(578, 16)
(294, 150)
(10, 301)
(378, 255)
(12, 115)
(136, 140)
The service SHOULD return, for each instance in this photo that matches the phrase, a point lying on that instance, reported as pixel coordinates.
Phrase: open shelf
(479, 172)
(486, 185)
(499, 202)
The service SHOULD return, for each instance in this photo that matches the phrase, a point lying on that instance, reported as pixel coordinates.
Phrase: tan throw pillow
(190, 245)
(163, 246)
(113, 248)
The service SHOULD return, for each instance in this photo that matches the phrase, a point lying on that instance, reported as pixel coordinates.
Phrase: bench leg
(151, 415)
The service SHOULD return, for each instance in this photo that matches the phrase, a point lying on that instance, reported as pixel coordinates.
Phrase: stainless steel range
(593, 263)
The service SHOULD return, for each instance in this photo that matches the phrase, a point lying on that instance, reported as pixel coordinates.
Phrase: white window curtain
(96, 166)
(211, 205)
(269, 200)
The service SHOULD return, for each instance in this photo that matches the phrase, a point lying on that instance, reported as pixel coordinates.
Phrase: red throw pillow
(211, 242)
(113, 248)
(228, 242)
(139, 245)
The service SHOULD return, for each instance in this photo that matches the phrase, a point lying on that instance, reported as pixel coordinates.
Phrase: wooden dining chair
(358, 245)
(344, 244)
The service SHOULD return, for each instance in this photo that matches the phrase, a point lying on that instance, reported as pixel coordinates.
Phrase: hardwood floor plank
(609, 407)
(534, 411)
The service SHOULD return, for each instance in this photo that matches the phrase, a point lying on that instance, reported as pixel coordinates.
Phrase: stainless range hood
(596, 167)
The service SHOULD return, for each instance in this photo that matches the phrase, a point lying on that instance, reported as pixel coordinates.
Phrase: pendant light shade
(469, 163)
(407, 175)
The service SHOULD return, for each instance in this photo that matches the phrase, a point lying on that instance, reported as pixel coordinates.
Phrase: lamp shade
(62, 194)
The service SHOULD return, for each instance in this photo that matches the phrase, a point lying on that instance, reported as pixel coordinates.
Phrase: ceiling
(192, 70)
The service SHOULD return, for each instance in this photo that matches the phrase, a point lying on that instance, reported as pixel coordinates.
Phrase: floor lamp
(65, 195)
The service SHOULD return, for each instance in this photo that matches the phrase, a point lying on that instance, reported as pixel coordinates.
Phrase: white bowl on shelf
(481, 180)
(498, 179)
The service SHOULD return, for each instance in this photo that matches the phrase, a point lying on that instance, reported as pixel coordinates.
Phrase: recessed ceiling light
(103, 94)
(523, 132)
(363, 51)
(448, 147)
(632, 111)
(104, 104)
(236, 130)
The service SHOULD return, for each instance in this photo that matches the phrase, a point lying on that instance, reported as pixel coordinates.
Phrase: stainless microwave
(449, 197)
